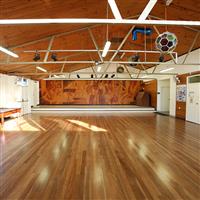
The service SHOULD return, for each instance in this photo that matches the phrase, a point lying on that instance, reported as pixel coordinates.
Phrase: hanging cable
(166, 28)
(107, 24)
(145, 44)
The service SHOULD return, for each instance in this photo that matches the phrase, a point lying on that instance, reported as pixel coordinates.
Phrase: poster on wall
(181, 93)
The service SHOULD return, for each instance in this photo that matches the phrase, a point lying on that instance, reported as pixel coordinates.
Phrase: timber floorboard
(99, 156)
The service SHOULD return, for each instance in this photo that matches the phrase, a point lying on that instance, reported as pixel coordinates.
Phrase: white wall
(194, 57)
(12, 95)
(112, 69)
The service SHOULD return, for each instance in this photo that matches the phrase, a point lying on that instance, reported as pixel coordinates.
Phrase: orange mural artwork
(103, 92)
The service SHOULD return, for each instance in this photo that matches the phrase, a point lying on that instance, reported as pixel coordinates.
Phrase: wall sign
(181, 92)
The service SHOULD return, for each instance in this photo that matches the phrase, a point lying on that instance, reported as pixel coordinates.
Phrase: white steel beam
(168, 2)
(86, 73)
(119, 48)
(60, 34)
(115, 9)
(187, 27)
(98, 21)
(49, 48)
(95, 44)
(92, 62)
(91, 50)
(147, 9)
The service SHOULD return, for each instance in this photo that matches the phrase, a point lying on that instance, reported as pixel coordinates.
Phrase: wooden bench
(7, 112)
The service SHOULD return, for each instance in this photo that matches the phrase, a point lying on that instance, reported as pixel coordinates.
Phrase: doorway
(164, 96)
(193, 99)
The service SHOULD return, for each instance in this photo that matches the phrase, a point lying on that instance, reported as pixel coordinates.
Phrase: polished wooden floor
(99, 156)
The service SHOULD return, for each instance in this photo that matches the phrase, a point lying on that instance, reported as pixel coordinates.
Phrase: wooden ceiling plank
(191, 47)
(95, 44)
(49, 48)
(49, 37)
(119, 48)
(187, 27)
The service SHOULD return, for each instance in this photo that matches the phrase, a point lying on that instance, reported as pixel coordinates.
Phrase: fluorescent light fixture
(115, 9)
(147, 9)
(99, 69)
(41, 69)
(166, 70)
(106, 49)
(8, 52)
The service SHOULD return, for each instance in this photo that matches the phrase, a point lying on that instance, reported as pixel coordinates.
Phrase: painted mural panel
(103, 92)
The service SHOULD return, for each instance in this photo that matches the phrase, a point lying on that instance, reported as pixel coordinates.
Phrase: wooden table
(7, 112)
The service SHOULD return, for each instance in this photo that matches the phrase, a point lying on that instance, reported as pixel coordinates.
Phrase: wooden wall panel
(151, 88)
(181, 110)
(88, 92)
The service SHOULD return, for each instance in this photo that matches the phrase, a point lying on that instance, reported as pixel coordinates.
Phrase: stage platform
(66, 108)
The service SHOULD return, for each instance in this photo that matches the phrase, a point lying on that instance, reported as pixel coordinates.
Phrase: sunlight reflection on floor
(86, 125)
(21, 125)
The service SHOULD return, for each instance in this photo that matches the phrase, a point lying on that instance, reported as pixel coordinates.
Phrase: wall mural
(88, 92)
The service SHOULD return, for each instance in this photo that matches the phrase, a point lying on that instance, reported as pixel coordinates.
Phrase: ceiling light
(147, 10)
(161, 58)
(115, 9)
(36, 57)
(8, 52)
(106, 49)
(135, 58)
(54, 57)
(41, 69)
(55, 76)
(166, 70)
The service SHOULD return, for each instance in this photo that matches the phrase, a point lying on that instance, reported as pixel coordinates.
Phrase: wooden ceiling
(22, 37)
